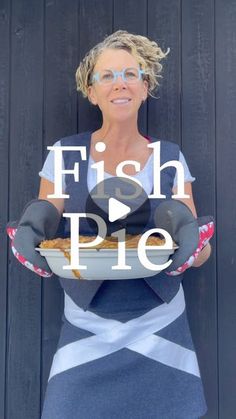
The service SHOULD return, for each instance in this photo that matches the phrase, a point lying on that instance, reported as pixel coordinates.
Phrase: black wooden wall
(42, 43)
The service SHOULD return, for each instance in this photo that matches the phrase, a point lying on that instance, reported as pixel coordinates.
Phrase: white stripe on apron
(136, 335)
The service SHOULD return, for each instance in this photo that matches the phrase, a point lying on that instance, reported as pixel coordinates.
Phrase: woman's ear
(91, 95)
(145, 90)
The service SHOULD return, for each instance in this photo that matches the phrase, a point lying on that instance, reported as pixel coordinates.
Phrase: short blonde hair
(147, 53)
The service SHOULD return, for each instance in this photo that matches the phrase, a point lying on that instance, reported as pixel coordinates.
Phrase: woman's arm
(206, 251)
(47, 188)
(187, 201)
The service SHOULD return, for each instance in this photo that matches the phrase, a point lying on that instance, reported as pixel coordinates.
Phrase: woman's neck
(120, 136)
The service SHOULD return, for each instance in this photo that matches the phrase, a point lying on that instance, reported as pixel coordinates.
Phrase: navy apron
(125, 350)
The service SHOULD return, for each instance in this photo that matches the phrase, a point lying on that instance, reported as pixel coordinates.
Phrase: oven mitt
(189, 233)
(39, 221)
(206, 231)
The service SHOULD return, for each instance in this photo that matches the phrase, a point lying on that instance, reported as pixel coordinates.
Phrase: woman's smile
(120, 102)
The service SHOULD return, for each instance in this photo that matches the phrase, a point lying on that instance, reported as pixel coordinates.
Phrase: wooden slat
(24, 297)
(164, 117)
(226, 201)
(60, 119)
(95, 22)
(198, 145)
(4, 151)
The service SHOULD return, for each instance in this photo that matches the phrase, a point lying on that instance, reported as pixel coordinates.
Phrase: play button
(122, 203)
(117, 210)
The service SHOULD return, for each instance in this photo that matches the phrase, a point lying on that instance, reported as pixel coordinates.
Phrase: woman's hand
(203, 250)
(205, 253)
(39, 221)
(190, 234)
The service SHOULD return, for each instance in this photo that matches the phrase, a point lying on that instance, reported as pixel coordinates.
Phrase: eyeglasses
(129, 75)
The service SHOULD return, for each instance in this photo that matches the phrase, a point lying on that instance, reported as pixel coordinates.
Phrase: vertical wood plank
(164, 113)
(134, 20)
(198, 145)
(60, 119)
(24, 297)
(4, 152)
(95, 22)
(226, 201)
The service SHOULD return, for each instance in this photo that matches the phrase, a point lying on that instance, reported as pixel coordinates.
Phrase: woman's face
(103, 95)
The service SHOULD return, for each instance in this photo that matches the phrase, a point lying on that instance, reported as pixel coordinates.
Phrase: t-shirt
(145, 176)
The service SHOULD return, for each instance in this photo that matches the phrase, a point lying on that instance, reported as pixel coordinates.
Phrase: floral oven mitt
(190, 234)
(39, 221)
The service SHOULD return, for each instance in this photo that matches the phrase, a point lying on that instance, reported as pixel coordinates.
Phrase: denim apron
(125, 350)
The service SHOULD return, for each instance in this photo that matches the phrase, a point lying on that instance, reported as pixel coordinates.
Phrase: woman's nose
(119, 82)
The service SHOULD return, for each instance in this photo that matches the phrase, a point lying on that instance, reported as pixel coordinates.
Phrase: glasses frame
(116, 74)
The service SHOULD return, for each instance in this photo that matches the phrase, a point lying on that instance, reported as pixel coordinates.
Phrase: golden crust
(111, 243)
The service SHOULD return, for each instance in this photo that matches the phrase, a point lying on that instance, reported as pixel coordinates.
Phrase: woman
(156, 376)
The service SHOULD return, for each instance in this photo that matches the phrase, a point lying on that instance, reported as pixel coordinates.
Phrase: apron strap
(136, 335)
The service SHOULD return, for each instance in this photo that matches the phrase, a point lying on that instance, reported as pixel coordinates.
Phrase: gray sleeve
(47, 171)
(187, 175)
